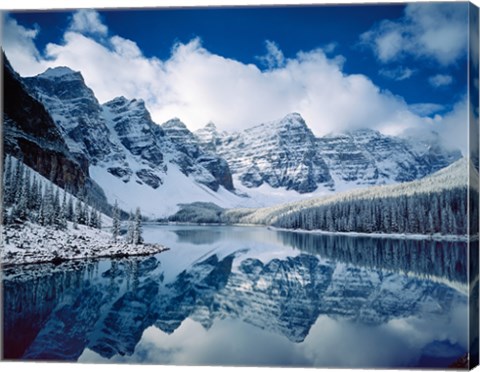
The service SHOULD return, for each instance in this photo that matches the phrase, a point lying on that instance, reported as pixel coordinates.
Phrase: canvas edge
(473, 153)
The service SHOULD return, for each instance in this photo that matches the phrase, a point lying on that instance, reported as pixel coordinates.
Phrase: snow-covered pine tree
(115, 222)
(20, 208)
(57, 208)
(69, 212)
(18, 181)
(62, 219)
(33, 196)
(99, 220)
(131, 227)
(8, 187)
(49, 212)
(24, 199)
(82, 213)
(76, 213)
(90, 217)
(41, 207)
(92, 220)
(137, 229)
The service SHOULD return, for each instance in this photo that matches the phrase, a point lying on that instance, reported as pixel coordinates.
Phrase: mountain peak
(211, 126)
(174, 123)
(292, 120)
(123, 101)
(60, 72)
(363, 132)
(293, 116)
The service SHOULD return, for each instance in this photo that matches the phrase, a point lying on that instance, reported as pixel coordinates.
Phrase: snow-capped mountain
(30, 134)
(140, 163)
(280, 153)
(134, 160)
(76, 111)
(213, 171)
(286, 154)
(367, 157)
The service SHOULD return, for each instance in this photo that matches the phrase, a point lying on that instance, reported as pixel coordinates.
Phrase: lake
(247, 296)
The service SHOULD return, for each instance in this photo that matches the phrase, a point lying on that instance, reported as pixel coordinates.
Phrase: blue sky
(393, 67)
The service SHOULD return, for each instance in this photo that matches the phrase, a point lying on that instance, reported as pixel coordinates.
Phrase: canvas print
(241, 186)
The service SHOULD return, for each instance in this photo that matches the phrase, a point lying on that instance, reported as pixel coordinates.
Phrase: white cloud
(440, 80)
(425, 109)
(18, 42)
(87, 21)
(274, 57)
(328, 342)
(198, 86)
(433, 30)
(451, 126)
(398, 74)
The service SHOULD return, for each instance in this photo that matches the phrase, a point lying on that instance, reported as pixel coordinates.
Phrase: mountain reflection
(442, 259)
(56, 312)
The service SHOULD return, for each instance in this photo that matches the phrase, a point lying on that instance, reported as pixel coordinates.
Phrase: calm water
(246, 296)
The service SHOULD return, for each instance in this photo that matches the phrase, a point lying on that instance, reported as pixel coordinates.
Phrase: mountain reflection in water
(247, 296)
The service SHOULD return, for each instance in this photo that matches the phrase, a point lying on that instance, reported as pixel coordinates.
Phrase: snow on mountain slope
(280, 153)
(76, 111)
(367, 157)
(130, 155)
(163, 201)
(206, 166)
(285, 154)
(270, 163)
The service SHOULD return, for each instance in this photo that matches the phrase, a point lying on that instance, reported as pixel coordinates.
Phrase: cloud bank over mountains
(199, 86)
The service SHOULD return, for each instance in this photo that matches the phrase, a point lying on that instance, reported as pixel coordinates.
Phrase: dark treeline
(442, 212)
(27, 198)
(441, 259)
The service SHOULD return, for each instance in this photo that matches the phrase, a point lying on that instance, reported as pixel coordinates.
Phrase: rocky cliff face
(75, 110)
(286, 154)
(368, 157)
(206, 166)
(121, 137)
(280, 153)
(31, 134)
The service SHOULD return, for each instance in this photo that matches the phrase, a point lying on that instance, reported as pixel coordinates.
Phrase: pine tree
(63, 212)
(20, 209)
(137, 229)
(99, 220)
(49, 207)
(115, 222)
(8, 190)
(92, 220)
(23, 202)
(33, 198)
(77, 213)
(131, 228)
(82, 213)
(57, 212)
(18, 182)
(69, 213)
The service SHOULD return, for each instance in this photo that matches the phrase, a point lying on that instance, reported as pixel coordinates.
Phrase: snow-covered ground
(31, 243)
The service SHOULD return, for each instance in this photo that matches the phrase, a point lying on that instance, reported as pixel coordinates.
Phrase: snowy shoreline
(30, 243)
(435, 237)
(406, 236)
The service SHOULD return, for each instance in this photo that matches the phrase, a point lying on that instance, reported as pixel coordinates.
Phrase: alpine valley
(115, 151)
